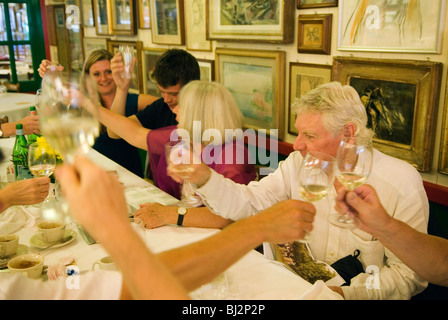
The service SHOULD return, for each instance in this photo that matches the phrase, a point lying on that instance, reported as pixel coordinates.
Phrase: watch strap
(180, 217)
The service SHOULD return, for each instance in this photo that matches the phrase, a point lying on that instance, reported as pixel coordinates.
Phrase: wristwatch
(181, 211)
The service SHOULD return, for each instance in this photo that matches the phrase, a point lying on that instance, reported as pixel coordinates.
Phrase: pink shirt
(232, 160)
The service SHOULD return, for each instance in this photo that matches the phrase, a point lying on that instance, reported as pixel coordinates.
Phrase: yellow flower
(43, 143)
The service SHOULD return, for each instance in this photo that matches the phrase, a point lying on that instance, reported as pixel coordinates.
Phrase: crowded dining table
(253, 277)
(16, 105)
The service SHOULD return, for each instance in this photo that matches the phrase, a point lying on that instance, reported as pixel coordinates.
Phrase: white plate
(41, 244)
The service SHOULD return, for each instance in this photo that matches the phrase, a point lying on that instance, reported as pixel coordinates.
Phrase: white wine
(314, 192)
(183, 170)
(351, 180)
(71, 135)
(42, 170)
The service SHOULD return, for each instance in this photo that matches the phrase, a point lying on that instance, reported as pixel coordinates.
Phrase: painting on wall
(256, 81)
(400, 97)
(307, 4)
(251, 21)
(314, 34)
(303, 78)
(136, 81)
(167, 21)
(150, 57)
(391, 26)
(196, 26)
(123, 17)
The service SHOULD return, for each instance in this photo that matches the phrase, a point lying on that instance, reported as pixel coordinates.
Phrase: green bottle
(20, 155)
(32, 137)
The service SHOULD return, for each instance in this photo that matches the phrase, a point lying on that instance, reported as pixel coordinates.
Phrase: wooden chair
(15, 87)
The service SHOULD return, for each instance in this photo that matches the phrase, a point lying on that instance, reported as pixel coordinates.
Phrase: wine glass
(127, 54)
(37, 99)
(41, 161)
(181, 160)
(316, 177)
(68, 113)
(353, 162)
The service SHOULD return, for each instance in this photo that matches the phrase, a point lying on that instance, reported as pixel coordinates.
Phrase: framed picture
(303, 78)
(251, 21)
(443, 157)
(256, 80)
(314, 34)
(306, 4)
(207, 68)
(150, 57)
(137, 81)
(102, 15)
(391, 26)
(196, 26)
(91, 44)
(87, 13)
(167, 21)
(123, 17)
(144, 14)
(401, 99)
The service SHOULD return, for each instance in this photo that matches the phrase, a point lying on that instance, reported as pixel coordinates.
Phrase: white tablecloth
(16, 105)
(252, 277)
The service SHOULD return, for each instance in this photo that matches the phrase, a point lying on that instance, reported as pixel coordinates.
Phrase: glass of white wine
(316, 177)
(354, 163)
(127, 54)
(180, 159)
(68, 113)
(41, 161)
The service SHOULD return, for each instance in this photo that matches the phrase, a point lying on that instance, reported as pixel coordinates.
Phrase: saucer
(21, 249)
(41, 244)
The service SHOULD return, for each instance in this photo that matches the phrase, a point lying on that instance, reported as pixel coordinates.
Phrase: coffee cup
(32, 264)
(8, 245)
(105, 263)
(50, 231)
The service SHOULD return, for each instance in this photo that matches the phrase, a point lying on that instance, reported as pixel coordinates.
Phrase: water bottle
(20, 155)
(32, 137)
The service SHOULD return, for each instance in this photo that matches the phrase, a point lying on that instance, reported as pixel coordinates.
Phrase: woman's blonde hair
(339, 105)
(213, 106)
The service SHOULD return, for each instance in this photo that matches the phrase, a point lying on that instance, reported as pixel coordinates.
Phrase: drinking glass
(353, 162)
(127, 54)
(316, 177)
(68, 113)
(41, 161)
(180, 159)
(37, 99)
(3, 88)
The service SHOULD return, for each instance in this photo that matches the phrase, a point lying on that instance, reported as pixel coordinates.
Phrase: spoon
(63, 240)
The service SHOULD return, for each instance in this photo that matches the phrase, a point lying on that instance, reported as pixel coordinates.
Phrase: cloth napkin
(17, 217)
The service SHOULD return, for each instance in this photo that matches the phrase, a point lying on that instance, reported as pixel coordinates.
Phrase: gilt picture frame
(314, 33)
(144, 14)
(167, 21)
(391, 26)
(123, 17)
(443, 155)
(249, 22)
(150, 57)
(103, 16)
(304, 77)
(207, 68)
(401, 98)
(256, 80)
(308, 4)
(137, 81)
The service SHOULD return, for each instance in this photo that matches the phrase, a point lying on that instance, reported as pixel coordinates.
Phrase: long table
(16, 105)
(252, 277)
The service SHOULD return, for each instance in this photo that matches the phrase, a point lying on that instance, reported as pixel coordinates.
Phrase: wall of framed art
(313, 37)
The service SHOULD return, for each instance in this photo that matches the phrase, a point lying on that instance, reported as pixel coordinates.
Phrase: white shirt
(94, 285)
(400, 189)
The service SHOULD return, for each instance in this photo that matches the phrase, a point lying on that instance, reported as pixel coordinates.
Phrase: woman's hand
(155, 215)
(118, 69)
